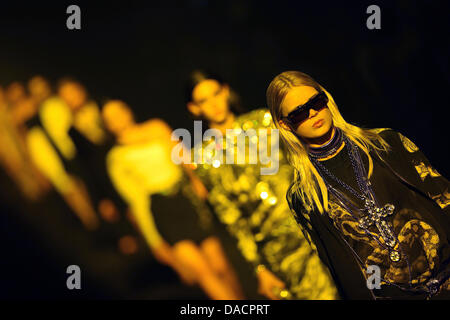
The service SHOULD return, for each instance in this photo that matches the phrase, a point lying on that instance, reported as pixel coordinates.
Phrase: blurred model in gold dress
(253, 206)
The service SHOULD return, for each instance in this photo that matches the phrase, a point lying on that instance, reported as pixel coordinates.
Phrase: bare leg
(213, 251)
(190, 255)
(80, 203)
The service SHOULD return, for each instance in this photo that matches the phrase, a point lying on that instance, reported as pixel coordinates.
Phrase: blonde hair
(308, 184)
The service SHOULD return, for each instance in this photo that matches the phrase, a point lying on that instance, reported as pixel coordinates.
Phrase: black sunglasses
(301, 113)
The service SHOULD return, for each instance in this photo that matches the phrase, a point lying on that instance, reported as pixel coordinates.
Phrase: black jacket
(412, 168)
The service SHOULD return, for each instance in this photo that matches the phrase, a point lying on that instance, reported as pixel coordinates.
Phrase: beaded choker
(329, 148)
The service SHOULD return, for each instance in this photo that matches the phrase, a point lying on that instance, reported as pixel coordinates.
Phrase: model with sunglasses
(363, 197)
(251, 205)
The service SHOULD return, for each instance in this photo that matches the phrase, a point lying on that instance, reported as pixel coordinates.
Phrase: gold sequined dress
(254, 210)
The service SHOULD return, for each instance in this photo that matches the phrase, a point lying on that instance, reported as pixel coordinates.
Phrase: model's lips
(318, 123)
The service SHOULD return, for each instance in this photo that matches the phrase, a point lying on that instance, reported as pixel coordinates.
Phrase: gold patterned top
(407, 180)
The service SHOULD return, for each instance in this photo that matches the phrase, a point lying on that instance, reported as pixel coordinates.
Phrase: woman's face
(39, 88)
(15, 92)
(317, 124)
(73, 94)
(117, 116)
(210, 101)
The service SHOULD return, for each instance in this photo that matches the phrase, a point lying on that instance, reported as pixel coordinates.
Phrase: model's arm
(130, 189)
(88, 122)
(302, 217)
(437, 186)
(339, 270)
(56, 118)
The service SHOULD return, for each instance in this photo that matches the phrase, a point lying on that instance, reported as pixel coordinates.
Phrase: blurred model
(51, 148)
(164, 199)
(16, 107)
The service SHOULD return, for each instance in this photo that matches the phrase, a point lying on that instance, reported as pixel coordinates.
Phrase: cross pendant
(376, 216)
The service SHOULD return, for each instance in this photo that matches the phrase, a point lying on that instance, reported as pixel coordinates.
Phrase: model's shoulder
(200, 145)
(255, 118)
(389, 135)
(114, 153)
(54, 102)
(394, 137)
(54, 106)
(120, 153)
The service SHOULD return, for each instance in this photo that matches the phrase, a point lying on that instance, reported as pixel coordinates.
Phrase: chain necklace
(329, 148)
(373, 214)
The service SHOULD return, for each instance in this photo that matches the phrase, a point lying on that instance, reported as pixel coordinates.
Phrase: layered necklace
(372, 212)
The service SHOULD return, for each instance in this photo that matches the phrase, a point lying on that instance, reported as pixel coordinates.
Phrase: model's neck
(333, 154)
(128, 134)
(224, 125)
(323, 140)
(324, 143)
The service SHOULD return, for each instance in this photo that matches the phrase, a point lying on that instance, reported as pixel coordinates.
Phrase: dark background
(395, 77)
